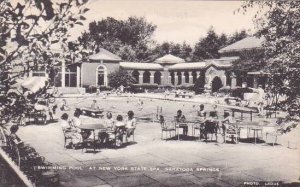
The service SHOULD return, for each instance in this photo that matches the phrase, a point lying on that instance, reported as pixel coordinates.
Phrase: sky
(178, 20)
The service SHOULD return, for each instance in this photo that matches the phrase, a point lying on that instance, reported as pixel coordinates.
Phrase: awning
(33, 84)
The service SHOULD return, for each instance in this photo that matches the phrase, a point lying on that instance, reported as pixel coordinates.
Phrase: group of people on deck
(206, 116)
(117, 129)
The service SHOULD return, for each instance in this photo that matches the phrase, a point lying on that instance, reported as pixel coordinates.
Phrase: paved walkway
(155, 162)
(151, 161)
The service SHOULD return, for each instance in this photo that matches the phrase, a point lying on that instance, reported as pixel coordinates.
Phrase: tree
(28, 31)
(180, 50)
(115, 35)
(236, 37)
(278, 23)
(119, 78)
(208, 46)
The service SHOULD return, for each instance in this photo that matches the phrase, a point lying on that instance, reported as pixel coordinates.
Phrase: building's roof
(140, 66)
(219, 63)
(224, 62)
(169, 59)
(191, 65)
(104, 55)
(250, 42)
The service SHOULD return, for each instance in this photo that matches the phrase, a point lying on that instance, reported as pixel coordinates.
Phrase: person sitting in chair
(130, 124)
(94, 105)
(210, 126)
(201, 112)
(119, 130)
(227, 122)
(180, 118)
(69, 130)
(64, 106)
(109, 124)
(214, 112)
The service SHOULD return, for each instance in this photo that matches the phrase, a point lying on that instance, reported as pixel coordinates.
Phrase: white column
(152, 77)
(190, 77)
(141, 77)
(175, 79)
(208, 78)
(183, 78)
(78, 76)
(63, 74)
(169, 79)
(224, 80)
(161, 79)
(233, 80)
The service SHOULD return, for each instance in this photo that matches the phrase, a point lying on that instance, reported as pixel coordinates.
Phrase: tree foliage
(278, 22)
(119, 78)
(183, 51)
(119, 36)
(208, 46)
(29, 29)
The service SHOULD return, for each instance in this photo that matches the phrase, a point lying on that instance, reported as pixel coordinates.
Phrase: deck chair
(131, 134)
(116, 136)
(168, 128)
(67, 138)
(200, 127)
(210, 127)
(232, 132)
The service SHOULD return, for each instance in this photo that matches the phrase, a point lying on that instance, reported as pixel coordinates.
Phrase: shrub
(189, 87)
(199, 86)
(119, 78)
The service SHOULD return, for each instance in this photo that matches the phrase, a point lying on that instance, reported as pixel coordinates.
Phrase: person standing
(130, 124)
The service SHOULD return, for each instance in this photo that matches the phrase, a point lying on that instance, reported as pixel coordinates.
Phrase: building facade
(165, 71)
(168, 70)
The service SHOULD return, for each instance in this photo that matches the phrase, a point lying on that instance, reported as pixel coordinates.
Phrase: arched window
(172, 78)
(146, 77)
(186, 77)
(157, 77)
(216, 84)
(179, 75)
(101, 75)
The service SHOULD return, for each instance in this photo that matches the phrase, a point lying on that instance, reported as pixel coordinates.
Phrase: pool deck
(151, 161)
